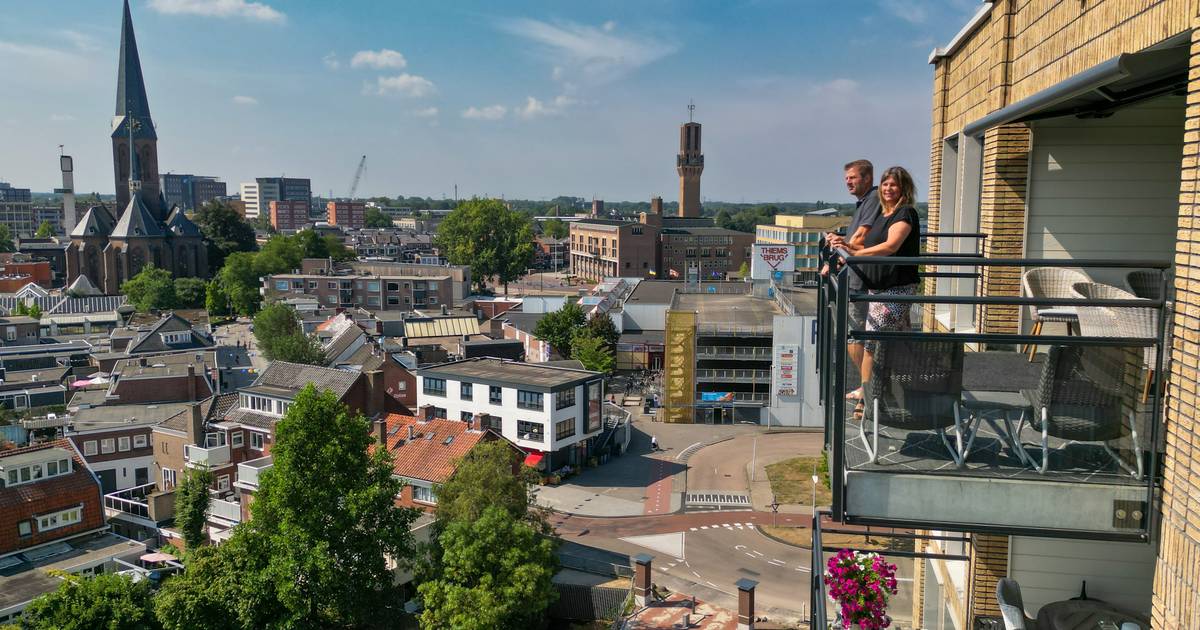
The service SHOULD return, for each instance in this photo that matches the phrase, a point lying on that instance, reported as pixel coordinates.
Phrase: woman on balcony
(897, 232)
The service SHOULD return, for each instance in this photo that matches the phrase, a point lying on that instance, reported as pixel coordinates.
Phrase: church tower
(690, 164)
(132, 121)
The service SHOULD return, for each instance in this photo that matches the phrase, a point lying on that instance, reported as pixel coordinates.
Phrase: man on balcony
(859, 175)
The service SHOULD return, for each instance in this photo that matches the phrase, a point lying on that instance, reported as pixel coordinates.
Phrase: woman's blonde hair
(908, 189)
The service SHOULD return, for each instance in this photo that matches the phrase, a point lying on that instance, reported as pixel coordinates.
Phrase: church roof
(181, 225)
(95, 222)
(131, 89)
(137, 221)
(83, 287)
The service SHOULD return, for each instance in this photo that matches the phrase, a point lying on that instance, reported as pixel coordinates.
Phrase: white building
(548, 411)
(258, 197)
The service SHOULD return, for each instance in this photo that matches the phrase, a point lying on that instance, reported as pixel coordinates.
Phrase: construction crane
(362, 164)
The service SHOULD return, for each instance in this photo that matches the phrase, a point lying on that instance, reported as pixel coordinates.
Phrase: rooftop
(654, 292)
(532, 375)
(434, 451)
(25, 581)
(728, 309)
(109, 417)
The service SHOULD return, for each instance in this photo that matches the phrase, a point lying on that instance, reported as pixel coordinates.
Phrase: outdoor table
(1088, 614)
(982, 403)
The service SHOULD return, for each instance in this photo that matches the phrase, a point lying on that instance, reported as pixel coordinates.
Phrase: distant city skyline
(538, 101)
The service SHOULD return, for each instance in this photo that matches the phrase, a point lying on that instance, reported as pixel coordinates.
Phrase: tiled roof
(250, 418)
(151, 340)
(212, 408)
(28, 497)
(137, 221)
(294, 376)
(427, 456)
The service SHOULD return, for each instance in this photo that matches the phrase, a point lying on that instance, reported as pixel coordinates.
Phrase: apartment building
(703, 253)
(606, 248)
(289, 215)
(116, 443)
(552, 413)
(803, 232)
(349, 215)
(393, 292)
(190, 191)
(16, 210)
(1065, 133)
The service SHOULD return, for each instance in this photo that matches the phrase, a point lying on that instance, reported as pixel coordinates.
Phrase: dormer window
(171, 338)
(17, 474)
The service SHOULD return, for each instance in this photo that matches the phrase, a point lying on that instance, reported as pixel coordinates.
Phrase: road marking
(686, 450)
(778, 563)
(739, 547)
(750, 554)
(711, 584)
(804, 569)
(757, 553)
(696, 574)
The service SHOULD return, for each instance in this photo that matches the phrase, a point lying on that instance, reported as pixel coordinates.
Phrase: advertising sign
(595, 398)
(716, 396)
(787, 370)
(766, 259)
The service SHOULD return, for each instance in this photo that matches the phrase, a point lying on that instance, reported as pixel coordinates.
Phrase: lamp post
(815, 480)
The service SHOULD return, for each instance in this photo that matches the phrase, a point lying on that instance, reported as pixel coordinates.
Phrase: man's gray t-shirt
(866, 212)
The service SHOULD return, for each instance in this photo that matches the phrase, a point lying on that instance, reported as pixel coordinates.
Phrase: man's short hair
(864, 167)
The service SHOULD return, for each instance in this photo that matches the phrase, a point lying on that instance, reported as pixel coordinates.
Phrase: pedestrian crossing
(742, 526)
(718, 498)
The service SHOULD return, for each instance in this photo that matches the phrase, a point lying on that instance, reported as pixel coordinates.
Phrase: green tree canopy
(496, 575)
(224, 587)
(558, 328)
(151, 289)
(216, 301)
(191, 507)
(496, 242)
(45, 230)
(280, 254)
(555, 228)
(239, 282)
(107, 601)
(489, 475)
(6, 239)
(280, 337)
(601, 325)
(190, 292)
(376, 218)
(225, 230)
(592, 352)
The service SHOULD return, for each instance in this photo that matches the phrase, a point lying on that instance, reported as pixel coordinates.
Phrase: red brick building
(347, 214)
(47, 493)
(289, 215)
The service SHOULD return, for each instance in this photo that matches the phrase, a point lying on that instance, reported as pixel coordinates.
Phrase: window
(60, 519)
(25, 528)
(434, 386)
(494, 394)
(123, 443)
(237, 438)
(332, 299)
(297, 284)
(373, 300)
(176, 337)
(140, 441)
(564, 428)
(281, 285)
(393, 286)
(256, 440)
(424, 495)
(529, 400)
(466, 416)
(108, 445)
(373, 286)
(312, 285)
(465, 391)
(530, 430)
(89, 447)
(168, 478)
(495, 423)
(331, 285)
(51, 469)
(564, 398)
(223, 483)
(393, 300)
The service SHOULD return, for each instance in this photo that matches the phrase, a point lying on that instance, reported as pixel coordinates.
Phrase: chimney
(642, 589)
(381, 432)
(445, 311)
(195, 429)
(745, 603)
(191, 383)
(411, 434)
(597, 207)
(375, 392)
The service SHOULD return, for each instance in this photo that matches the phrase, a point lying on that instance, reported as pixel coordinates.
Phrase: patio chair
(1052, 283)
(1012, 607)
(917, 386)
(1144, 283)
(1078, 399)
(1119, 321)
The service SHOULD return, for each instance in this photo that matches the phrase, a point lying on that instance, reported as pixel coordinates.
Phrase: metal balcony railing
(986, 425)
(200, 456)
(733, 376)
(745, 353)
(130, 501)
(249, 473)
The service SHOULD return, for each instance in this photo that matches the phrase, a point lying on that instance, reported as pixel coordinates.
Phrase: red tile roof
(427, 456)
(27, 500)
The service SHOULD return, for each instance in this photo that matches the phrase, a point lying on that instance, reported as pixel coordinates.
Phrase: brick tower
(690, 164)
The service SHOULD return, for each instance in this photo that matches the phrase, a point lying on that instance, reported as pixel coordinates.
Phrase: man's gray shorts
(858, 318)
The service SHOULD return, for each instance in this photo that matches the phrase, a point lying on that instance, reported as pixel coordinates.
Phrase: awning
(533, 459)
(157, 557)
(1098, 91)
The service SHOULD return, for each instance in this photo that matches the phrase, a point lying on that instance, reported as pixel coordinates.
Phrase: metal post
(753, 456)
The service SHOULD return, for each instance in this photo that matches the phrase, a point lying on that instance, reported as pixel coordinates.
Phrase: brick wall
(989, 563)
(1002, 218)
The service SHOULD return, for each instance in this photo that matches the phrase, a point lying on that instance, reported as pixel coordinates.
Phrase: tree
(191, 507)
(298, 348)
(263, 222)
(108, 600)
(555, 228)
(151, 289)
(280, 337)
(744, 270)
(495, 241)
(376, 218)
(280, 254)
(191, 292)
(239, 281)
(34, 311)
(601, 325)
(496, 574)
(45, 230)
(557, 328)
(485, 478)
(225, 230)
(337, 249)
(6, 239)
(224, 587)
(216, 301)
(592, 352)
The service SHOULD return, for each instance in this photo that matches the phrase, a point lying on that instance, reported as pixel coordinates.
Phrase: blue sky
(521, 99)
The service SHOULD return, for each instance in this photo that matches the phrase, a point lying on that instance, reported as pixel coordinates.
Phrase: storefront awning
(533, 459)
(1098, 91)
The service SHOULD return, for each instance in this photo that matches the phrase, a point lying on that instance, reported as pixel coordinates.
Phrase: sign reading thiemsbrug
(768, 259)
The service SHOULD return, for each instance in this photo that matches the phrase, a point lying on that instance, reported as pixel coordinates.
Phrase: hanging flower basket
(861, 584)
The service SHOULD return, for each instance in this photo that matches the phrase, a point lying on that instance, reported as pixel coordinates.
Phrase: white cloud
(331, 61)
(245, 100)
(410, 85)
(61, 117)
(81, 41)
(255, 11)
(428, 112)
(490, 112)
(609, 26)
(378, 59)
(40, 53)
(836, 87)
(557, 73)
(911, 11)
(595, 53)
(534, 108)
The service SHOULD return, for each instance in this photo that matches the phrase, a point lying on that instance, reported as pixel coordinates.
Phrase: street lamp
(815, 480)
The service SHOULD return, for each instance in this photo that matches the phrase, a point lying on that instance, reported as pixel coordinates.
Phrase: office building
(190, 191)
(803, 232)
(289, 215)
(347, 214)
(16, 210)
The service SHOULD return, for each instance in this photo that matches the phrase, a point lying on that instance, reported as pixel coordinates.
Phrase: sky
(518, 99)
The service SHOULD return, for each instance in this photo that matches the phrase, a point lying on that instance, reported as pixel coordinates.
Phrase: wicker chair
(916, 386)
(1012, 606)
(1145, 283)
(1078, 398)
(1119, 321)
(1050, 282)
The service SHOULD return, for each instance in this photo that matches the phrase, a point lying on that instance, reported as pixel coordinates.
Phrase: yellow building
(804, 231)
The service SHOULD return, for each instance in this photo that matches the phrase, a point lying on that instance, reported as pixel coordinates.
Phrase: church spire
(131, 89)
(135, 143)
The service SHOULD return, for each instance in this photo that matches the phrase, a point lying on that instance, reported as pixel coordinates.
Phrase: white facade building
(545, 410)
(258, 197)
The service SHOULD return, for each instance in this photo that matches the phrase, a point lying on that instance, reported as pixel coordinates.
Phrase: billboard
(716, 396)
(787, 370)
(766, 259)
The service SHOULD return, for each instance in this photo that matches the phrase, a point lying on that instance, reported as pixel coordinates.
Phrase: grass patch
(791, 481)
